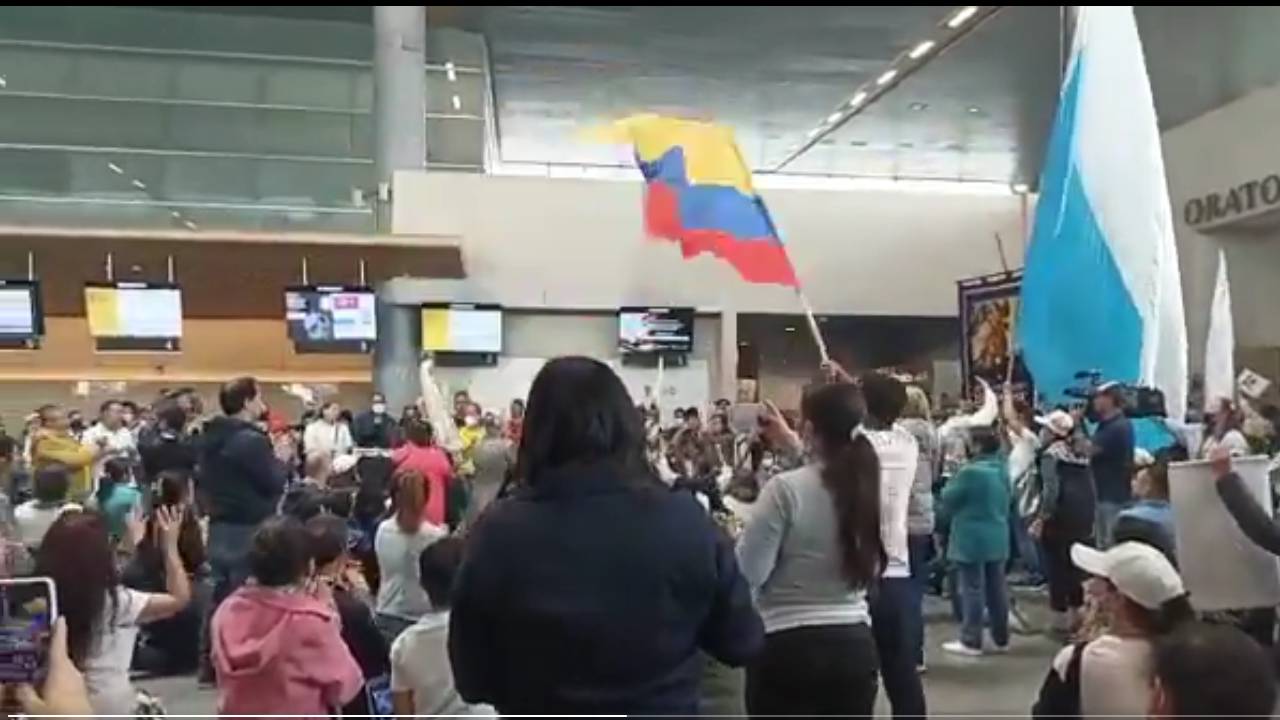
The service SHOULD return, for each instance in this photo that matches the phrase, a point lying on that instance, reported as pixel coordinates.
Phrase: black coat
(586, 593)
(165, 450)
(240, 479)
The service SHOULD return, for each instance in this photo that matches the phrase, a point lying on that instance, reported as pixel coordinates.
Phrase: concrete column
(399, 94)
(397, 352)
(728, 356)
(400, 143)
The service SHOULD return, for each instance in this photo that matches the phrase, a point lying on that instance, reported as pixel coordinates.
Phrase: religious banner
(1222, 569)
(988, 314)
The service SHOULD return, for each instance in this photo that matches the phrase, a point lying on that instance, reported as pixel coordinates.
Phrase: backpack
(1060, 696)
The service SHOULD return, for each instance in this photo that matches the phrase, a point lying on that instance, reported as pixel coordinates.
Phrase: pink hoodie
(281, 653)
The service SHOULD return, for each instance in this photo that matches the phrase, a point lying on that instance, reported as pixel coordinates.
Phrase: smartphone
(744, 418)
(28, 607)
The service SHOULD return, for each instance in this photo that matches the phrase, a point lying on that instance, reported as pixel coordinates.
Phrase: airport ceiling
(980, 111)
(220, 108)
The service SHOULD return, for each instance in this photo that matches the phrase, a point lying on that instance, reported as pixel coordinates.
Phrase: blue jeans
(229, 567)
(1027, 548)
(921, 549)
(982, 588)
(891, 623)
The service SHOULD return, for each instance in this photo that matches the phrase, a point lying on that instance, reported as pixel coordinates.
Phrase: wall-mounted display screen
(134, 315)
(21, 317)
(650, 330)
(331, 318)
(462, 328)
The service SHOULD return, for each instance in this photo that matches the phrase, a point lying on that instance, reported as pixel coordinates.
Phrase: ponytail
(851, 474)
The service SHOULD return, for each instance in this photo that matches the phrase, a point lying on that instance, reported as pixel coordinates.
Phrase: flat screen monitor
(21, 315)
(331, 318)
(134, 315)
(655, 330)
(459, 328)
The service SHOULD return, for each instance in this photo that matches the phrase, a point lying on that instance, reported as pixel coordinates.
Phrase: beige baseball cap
(1140, 572)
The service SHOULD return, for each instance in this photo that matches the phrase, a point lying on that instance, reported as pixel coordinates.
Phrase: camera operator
(1110, 459)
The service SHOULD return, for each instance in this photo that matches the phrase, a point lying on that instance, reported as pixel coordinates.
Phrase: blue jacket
(976, 504)
(590, 593)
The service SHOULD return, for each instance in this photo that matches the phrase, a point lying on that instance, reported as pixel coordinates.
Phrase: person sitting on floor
(421, 677)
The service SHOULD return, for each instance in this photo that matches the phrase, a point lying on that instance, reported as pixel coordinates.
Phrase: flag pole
(813, 326)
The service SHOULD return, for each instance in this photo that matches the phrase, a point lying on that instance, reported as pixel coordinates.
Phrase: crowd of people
(588, 556)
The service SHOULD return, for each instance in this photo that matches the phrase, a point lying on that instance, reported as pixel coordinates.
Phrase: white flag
(1219, 350)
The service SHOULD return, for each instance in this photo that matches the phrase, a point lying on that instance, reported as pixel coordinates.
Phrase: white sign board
(1222, 569)
(1252, 384)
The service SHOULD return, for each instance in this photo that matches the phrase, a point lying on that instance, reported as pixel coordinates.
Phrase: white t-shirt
(420, 664)
(898, 453)
(1234, 441)
(1115, 676)
(106, 669)
(33, 521)
(120, 443)
(399, 592)
(1022, 454)
(333, 439)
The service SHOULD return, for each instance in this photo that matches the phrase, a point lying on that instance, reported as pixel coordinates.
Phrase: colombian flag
(698, 192)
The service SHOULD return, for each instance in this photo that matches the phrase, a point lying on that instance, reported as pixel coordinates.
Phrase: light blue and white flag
(1101, 289)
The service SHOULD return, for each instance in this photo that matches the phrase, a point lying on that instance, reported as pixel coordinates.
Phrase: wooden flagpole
(813, 326)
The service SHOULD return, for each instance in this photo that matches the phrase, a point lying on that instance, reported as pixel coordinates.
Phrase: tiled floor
(993, 686)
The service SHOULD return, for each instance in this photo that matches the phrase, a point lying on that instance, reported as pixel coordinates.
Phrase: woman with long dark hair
(592, 587)
(400, 539)
(810, 551)
(103, 616)
(171, 644)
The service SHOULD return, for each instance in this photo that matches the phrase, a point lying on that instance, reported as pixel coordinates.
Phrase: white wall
(1217, 151)
(538, 242)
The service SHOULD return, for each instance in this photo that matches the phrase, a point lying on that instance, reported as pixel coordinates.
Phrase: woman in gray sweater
(810, 550)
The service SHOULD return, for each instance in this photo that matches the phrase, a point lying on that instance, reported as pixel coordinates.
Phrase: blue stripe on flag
(1076, 313)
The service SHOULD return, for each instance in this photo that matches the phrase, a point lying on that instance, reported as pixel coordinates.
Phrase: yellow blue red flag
(698, 192)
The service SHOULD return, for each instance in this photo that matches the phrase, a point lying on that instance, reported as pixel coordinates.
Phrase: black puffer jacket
(240, 480)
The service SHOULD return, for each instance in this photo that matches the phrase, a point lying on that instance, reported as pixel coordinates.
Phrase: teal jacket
(976, 503)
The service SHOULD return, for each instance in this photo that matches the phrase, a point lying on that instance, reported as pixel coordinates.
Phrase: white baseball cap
(1059, 422)
(1140, 572)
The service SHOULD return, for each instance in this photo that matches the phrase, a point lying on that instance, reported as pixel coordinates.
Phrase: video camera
(1137, 402)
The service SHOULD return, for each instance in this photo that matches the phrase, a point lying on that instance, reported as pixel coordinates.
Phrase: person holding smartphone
(103, 616)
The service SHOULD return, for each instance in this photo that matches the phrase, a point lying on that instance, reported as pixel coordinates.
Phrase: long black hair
(851, 473)
(579, 413)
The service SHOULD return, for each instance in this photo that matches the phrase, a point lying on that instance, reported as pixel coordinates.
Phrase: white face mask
(472, 421)
(379, 408)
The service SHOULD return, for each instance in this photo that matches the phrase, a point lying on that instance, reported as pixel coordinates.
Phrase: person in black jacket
(592, 587)
(375, 427)
(241, 480)
(328, 535)
(168, 447)
(1066, 516)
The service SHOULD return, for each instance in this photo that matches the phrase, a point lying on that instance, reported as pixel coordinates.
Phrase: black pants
(817, 670)
(894, 626)
(1066, 581)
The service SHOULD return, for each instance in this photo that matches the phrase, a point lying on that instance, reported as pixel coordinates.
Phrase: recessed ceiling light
(857, 98)
(115, 168)
(814, 132)
(3, 83)
(918, 107)
(921, 50)
(887, 77)
(450, 71)
(834, 117)
(975, 110)
(790, 328)
(962, 16)
(191, 226)
(176, 215)
(457, 102)
(139, 184)
(1020, 188)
